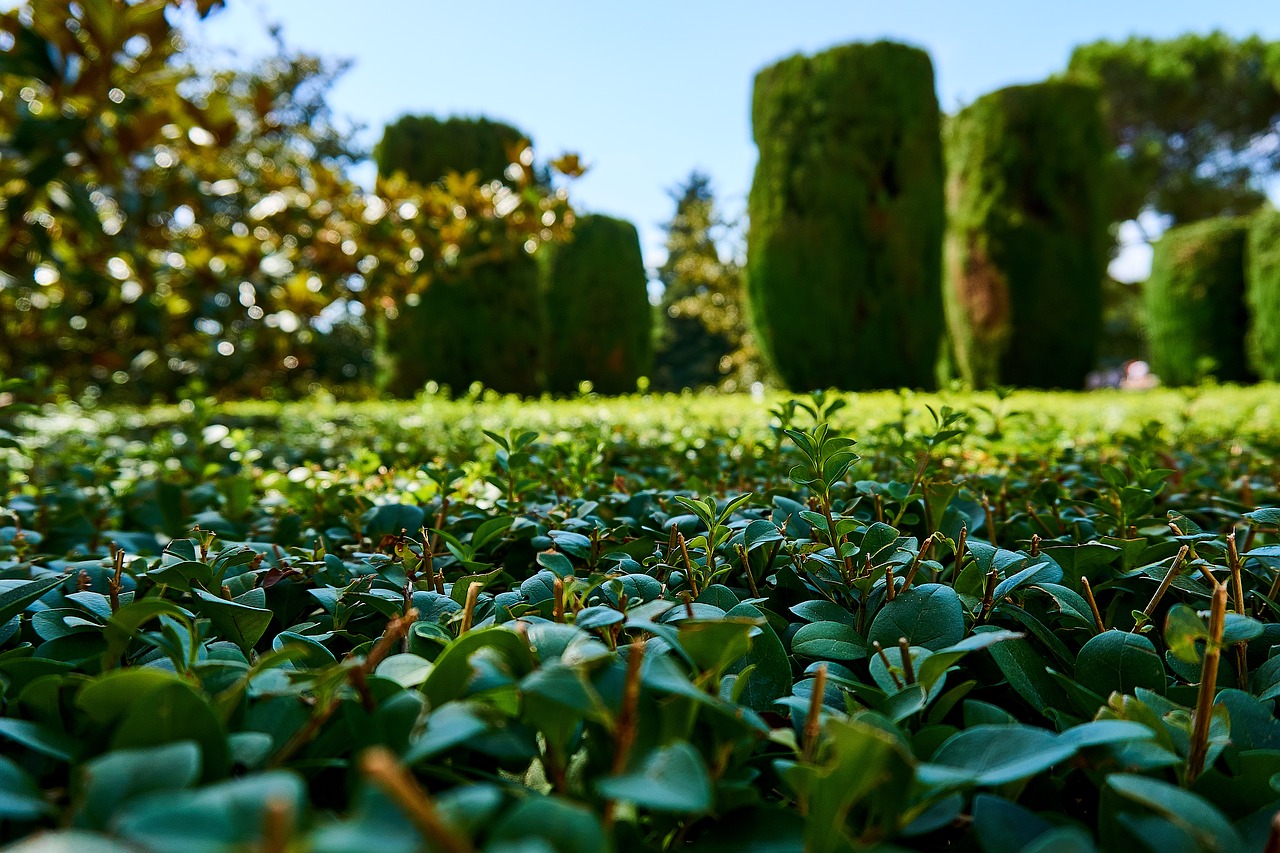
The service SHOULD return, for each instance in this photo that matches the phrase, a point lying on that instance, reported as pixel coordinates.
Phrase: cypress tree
(846, 209)
(1262, 295)
(485, 324)
(600, 323)
(1026, 247)
(424, 148)
(1195, 304)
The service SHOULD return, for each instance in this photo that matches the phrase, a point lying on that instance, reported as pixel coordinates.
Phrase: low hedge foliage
(968, 629)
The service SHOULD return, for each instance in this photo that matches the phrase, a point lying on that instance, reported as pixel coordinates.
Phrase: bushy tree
(846, 218)
(1026, 235)
(425, 148)
(1262, 294)
(483, 323)
(1195, 302)
(599, 322)
(1192, 121)
(704, 337)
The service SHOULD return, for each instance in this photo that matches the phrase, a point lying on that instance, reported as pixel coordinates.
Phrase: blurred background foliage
(164, 224)
(167, 225)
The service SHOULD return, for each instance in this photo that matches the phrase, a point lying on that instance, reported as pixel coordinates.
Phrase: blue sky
(650, 89)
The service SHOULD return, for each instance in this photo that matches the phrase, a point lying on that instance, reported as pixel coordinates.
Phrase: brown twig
(1237, 590)
(884, 658)
(1174, 568)
(908, 666)
(382, 769)
(1093, 603)
(469, 609)
(813, 720)
(277, 825)
(1208, 686)
(624, 734)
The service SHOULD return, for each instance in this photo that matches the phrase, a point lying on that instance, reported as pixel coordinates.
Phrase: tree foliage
(846, 208)
(596, 303)
(1026, 235)
(163, 223)
(1195, 302)
(1262, 294)
(704, 337)
(424, 148)
(1193, 121)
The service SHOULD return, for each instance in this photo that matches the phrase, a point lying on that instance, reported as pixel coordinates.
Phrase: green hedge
(1262, 295)
(484, 327)
(600, 323)
(1027, 237)
(846, 211)
(1195, 304)
(424, 148)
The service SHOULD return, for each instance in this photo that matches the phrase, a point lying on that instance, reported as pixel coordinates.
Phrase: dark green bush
(844, 251)
(486, 326)
(1195, 302)
(424, 148)
(600, 323)
(1262, 295)
(1027, 235)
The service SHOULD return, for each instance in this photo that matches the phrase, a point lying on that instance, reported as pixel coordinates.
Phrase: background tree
(703, 334)
(844, 252)
(1262, 294)
(596, 301)
(1195, 302)
(1026, 235)
(482, 320)
(424, 148)
(1192, 121)
(163, 223)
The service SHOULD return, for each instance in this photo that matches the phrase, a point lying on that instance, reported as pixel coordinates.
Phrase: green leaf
(451, 725)
(829, 641)
(113, 779)
(20, 797)
(565, 826)
(1005, 827)
(994, 755)
(1119, 661)
(15, 599)
(407, 670)
(453, 670)
(1123, 792)
(1027, 673)
(391, 519)
(237, 621)
(929, 615)
(670, 779)
(211, 819)
(175, 712)
(38, 738)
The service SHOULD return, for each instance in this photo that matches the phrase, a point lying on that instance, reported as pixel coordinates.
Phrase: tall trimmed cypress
(1195, 302)
(600, 323)
(846, 210)
(1262, 295)
(485, 324)
(1027, 237)
(424, 148)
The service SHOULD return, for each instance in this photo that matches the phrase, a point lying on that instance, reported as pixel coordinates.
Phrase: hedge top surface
(776, 638)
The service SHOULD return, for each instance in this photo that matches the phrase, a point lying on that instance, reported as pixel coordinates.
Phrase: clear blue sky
(648, 90)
